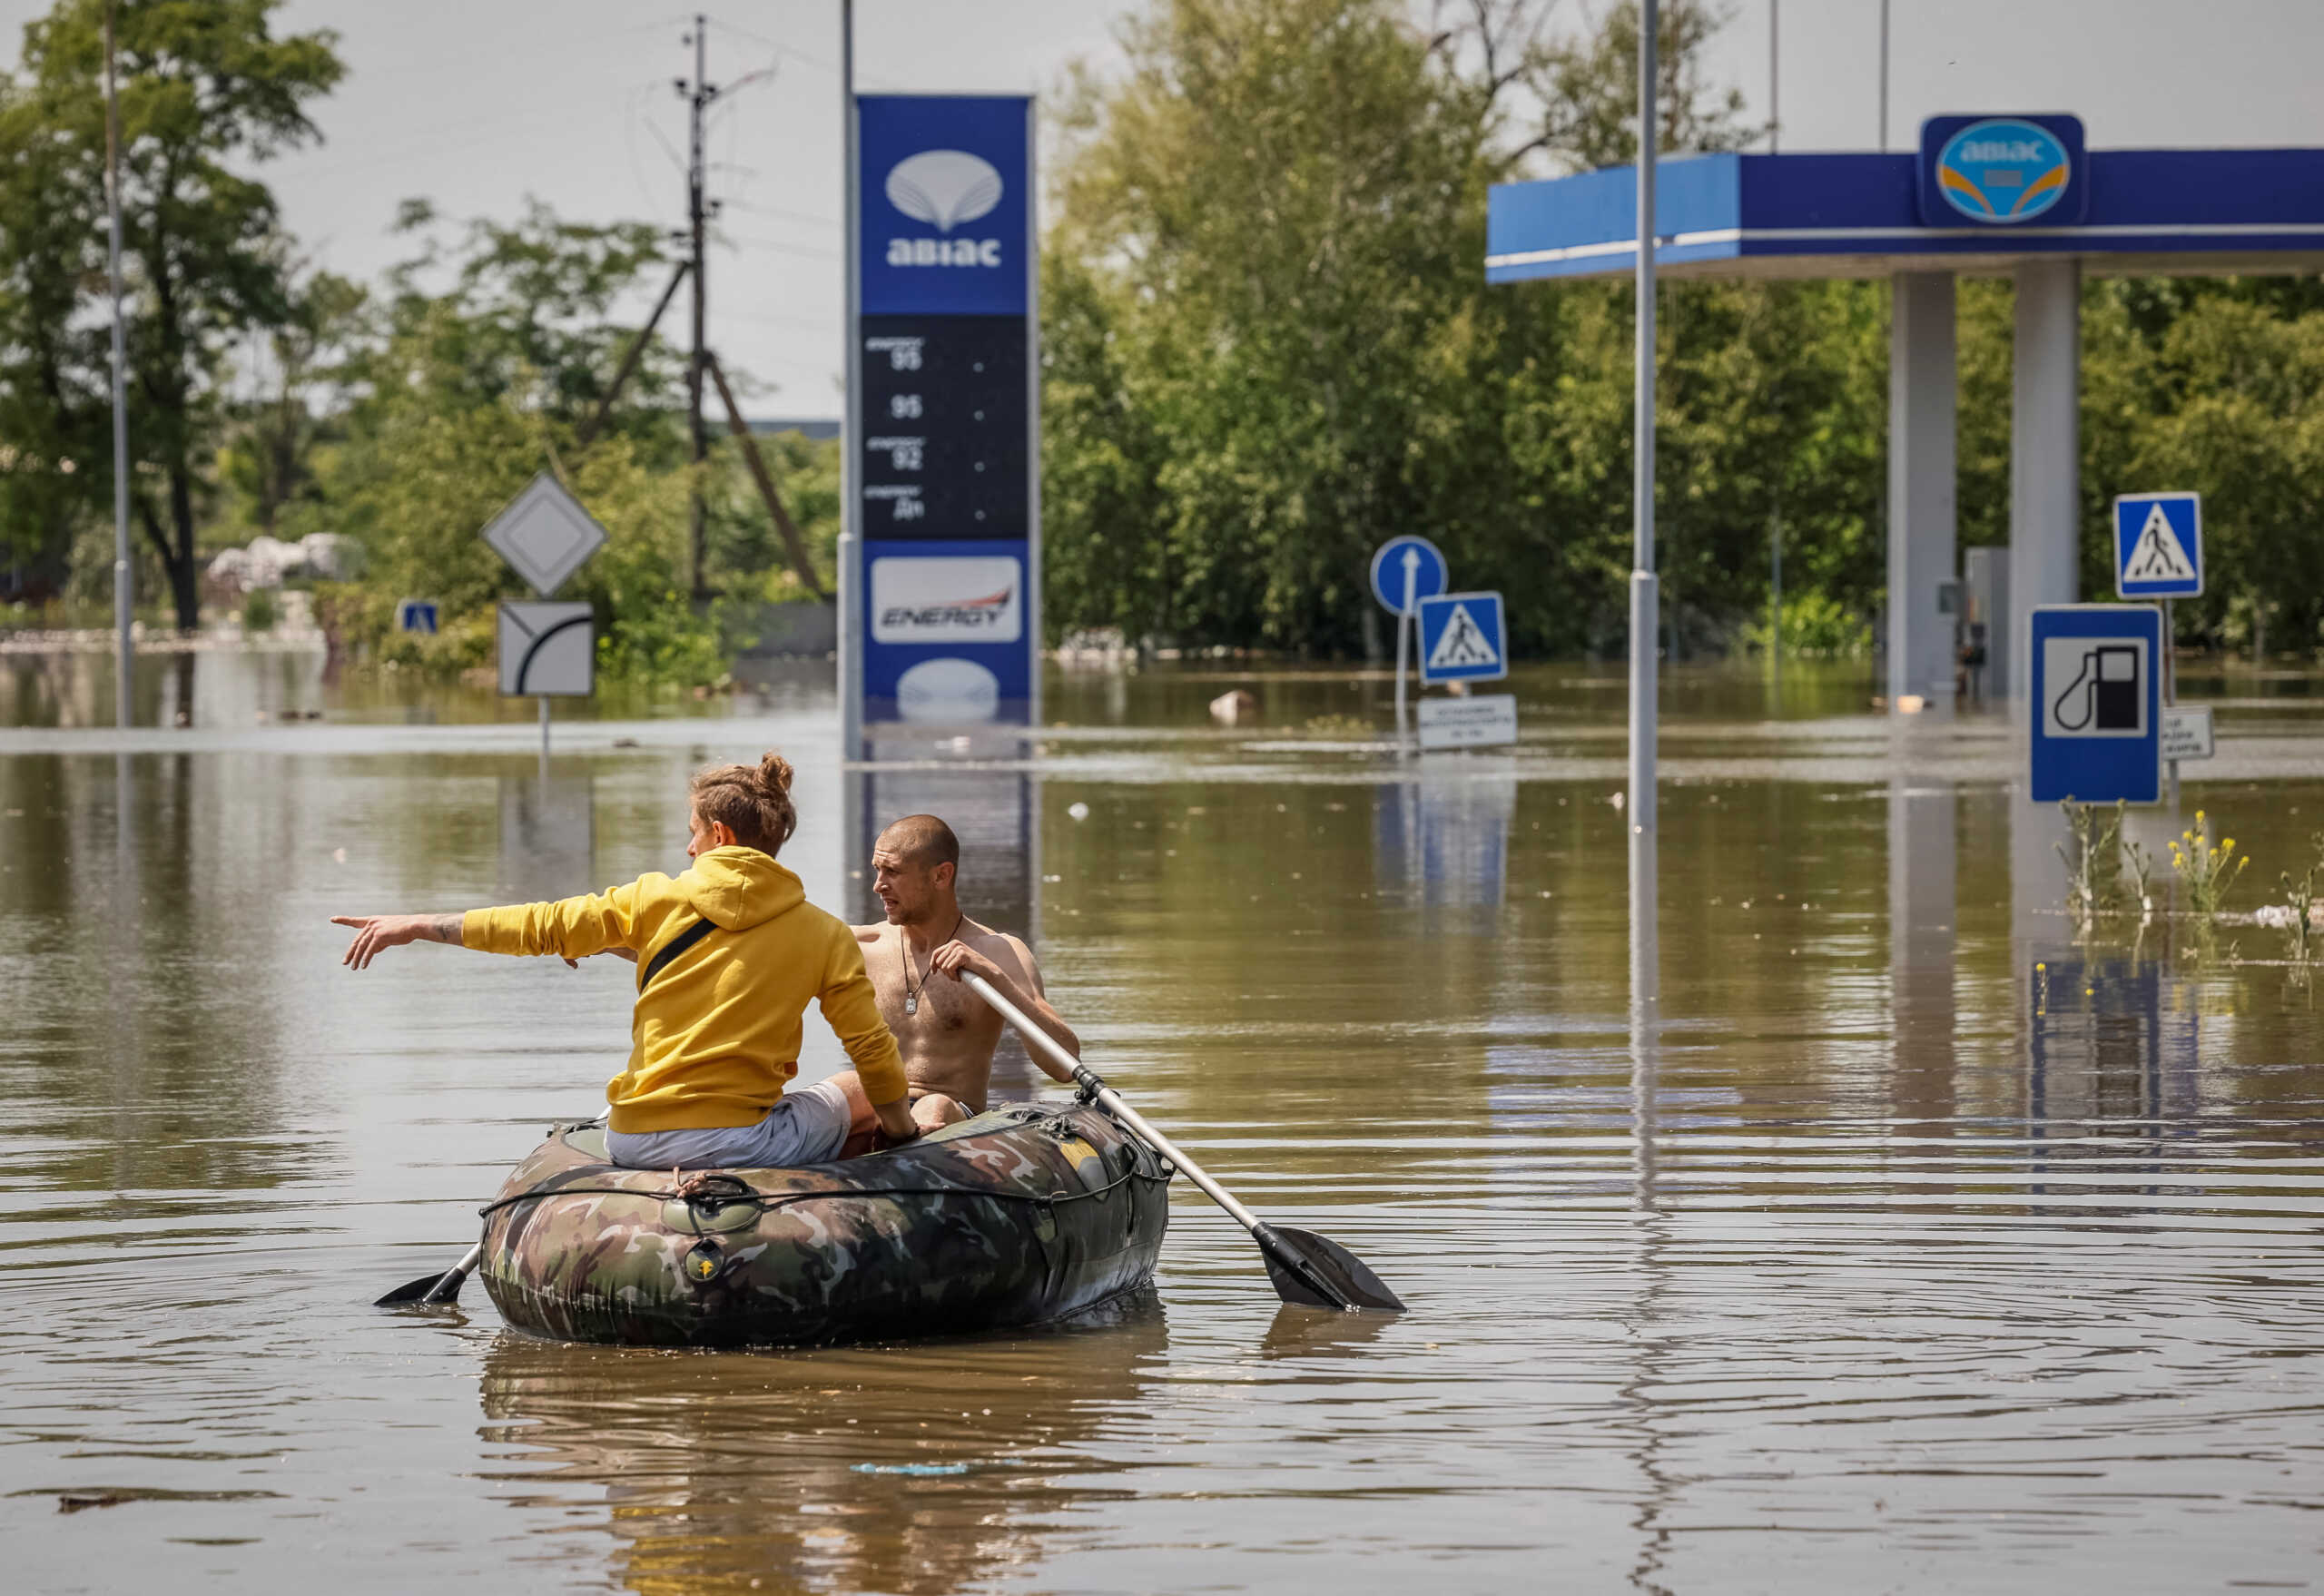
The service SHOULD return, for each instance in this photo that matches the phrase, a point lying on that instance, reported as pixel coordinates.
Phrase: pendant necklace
(903, 952)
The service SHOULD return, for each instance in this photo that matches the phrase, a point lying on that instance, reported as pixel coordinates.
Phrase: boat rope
(773, 1200)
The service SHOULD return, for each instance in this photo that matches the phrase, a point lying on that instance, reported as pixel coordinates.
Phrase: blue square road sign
(1462, 638)
(2158, 545)
(2095, 718)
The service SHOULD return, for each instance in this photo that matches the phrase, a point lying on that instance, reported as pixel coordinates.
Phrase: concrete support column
(2045, 453)
(1922, 389)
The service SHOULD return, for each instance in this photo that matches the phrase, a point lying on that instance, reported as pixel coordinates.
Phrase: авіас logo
(945, 189)
(2003, 169)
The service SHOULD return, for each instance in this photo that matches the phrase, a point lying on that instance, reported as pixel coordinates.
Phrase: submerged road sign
(1480, 721)
(1398, 555)
(2158, 545)
(2096, 716)
(1462, 638)
(547, 650)
(417, 615)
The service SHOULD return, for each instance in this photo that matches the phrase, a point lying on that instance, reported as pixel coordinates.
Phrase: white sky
(476, 104)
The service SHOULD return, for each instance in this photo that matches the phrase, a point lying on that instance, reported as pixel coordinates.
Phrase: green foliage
(2205, 869)
(207, 91)
(2301, 893)
(261, 611)
(1268, 346)
(2093, 863)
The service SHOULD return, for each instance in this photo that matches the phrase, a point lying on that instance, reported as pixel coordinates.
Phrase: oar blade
(1349, 1280)
(413, 1291)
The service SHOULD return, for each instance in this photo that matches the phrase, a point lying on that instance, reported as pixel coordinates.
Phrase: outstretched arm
(374, 933)
(1017, 978)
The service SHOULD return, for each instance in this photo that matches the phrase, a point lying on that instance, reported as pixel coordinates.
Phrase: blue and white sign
(944, 579)
(417, 615)
(1400, 557)
(947, 187)
(2158, 545)
(2001, 171)
(1462, 638)
(2096, 714)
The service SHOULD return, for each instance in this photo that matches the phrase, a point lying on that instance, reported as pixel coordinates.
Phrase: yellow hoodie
(717, 1034)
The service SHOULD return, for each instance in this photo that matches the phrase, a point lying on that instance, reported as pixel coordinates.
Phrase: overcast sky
(476, 104)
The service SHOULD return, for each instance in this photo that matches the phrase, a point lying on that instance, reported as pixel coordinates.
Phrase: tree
(1269, 344)
(206, 92)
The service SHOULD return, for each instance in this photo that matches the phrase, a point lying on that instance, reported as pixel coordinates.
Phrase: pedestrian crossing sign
(1462, 638)
(2159, 546)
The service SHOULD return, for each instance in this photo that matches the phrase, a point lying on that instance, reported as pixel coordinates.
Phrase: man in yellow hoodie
(729, 954)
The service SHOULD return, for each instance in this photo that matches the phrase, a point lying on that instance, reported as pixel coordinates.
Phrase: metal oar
(1305, 1267)
(429, 1290)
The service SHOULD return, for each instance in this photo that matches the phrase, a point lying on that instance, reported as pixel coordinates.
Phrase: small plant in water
(2093, 863)
(2300, 891)
(2205, 868)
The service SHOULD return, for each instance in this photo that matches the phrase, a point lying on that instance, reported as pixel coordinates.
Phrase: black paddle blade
(423, 1290)
(1317, 1272)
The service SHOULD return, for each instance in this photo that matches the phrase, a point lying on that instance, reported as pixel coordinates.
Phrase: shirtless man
(946, 1032)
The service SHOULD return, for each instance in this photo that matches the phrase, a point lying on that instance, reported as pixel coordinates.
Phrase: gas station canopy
(1983, 196)
(2149, 211)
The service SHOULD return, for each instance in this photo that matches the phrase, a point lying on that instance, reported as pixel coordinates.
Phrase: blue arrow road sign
(1389, 564)
(2158, 545)
(1462, 638)
(2096, 714)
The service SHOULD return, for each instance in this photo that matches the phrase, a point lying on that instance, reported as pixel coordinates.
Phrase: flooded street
(1904, 1244)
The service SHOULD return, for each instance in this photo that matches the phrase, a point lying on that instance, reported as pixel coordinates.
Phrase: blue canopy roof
(2204, 211)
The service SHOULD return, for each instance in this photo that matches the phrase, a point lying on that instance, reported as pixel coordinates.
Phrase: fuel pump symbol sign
(2095, 686)
(2097, 716)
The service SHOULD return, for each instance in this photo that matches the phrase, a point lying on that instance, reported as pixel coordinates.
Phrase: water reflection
(548, 836)
(921, 1468)
(1440, 838)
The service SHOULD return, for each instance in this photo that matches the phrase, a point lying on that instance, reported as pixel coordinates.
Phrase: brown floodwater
(1902, 1244)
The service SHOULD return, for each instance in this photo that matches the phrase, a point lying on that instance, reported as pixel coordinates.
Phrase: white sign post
(545, 536)
(1404, 571)
(2159, 554)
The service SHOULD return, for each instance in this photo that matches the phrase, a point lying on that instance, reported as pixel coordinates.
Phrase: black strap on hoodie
(672, 949)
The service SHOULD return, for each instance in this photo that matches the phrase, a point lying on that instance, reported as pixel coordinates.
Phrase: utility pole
(698, 98)
(124, 649)
(1774, 62)
(1884, 76)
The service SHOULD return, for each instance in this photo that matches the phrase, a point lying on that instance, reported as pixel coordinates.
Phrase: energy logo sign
(960, 599)
(2000, 170)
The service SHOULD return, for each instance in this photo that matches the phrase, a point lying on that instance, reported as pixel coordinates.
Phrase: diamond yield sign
(1462, 638)
(545, 534)
(2158, 545)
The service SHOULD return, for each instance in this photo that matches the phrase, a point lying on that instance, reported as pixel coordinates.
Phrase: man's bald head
(924, 840)
(912, 867)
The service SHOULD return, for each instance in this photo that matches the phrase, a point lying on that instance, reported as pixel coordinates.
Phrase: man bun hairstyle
(753, 802)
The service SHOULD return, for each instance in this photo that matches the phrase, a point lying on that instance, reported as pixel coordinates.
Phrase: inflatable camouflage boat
(1026, 1212)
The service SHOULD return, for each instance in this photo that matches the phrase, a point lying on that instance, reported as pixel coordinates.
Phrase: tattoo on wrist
(442, 928)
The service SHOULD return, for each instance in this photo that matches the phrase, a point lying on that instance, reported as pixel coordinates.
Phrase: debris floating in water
(917, 1471)
(1077, 810)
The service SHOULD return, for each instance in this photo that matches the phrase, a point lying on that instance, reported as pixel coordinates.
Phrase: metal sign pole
(850, 536)
(2171, 692)
(1645, 601)
(544, 704)
(1404, 633)
(124, 651)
